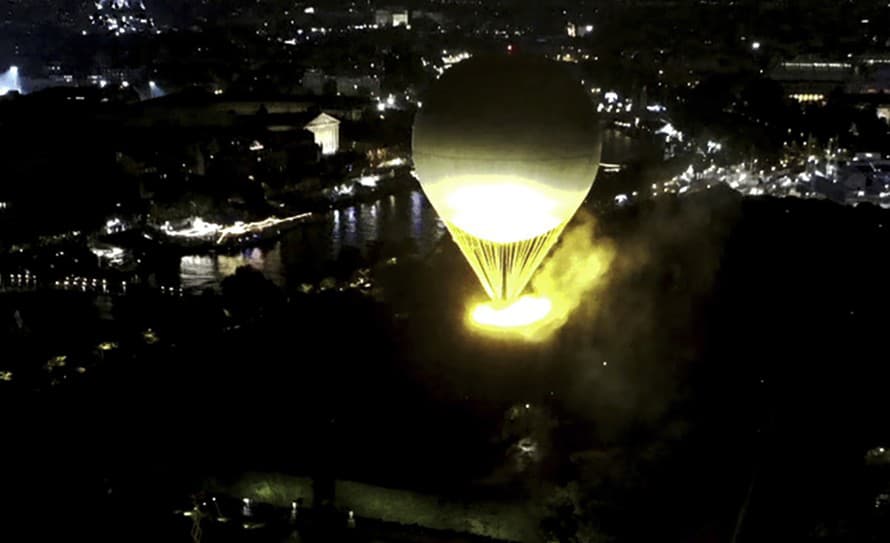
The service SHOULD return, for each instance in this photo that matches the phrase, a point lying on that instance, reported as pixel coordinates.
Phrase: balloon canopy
(506, 148)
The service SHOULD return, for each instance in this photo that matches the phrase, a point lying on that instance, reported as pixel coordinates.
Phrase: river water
(394, 219)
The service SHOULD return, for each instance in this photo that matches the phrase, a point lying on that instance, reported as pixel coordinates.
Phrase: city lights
(509, 351)
(114, 255)
(450, 59)
(240, 228)
(197, 229)
(807, 98)
(200, 229)
(670, 132)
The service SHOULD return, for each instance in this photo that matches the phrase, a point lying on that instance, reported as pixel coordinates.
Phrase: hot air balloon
(506, 149)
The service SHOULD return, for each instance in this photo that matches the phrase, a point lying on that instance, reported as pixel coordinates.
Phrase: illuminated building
(391, 17)
(326, 130)
(506, 149)
(810, 80)
(578, 30)
(400, 18)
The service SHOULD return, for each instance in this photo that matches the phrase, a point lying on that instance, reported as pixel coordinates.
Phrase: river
(394, 219)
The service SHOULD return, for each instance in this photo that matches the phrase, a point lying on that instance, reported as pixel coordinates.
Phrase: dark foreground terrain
(728, 375)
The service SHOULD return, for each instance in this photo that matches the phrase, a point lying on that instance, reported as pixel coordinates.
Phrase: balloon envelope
(506, 149)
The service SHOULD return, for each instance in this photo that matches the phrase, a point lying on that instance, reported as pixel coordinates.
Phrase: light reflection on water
(201, 271)
(417, 201)
(393, 219)
(620, 147)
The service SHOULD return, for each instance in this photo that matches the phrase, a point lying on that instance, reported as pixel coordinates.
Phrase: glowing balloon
(506, 149)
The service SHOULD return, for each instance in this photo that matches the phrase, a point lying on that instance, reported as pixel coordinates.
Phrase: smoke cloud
(573, 273)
